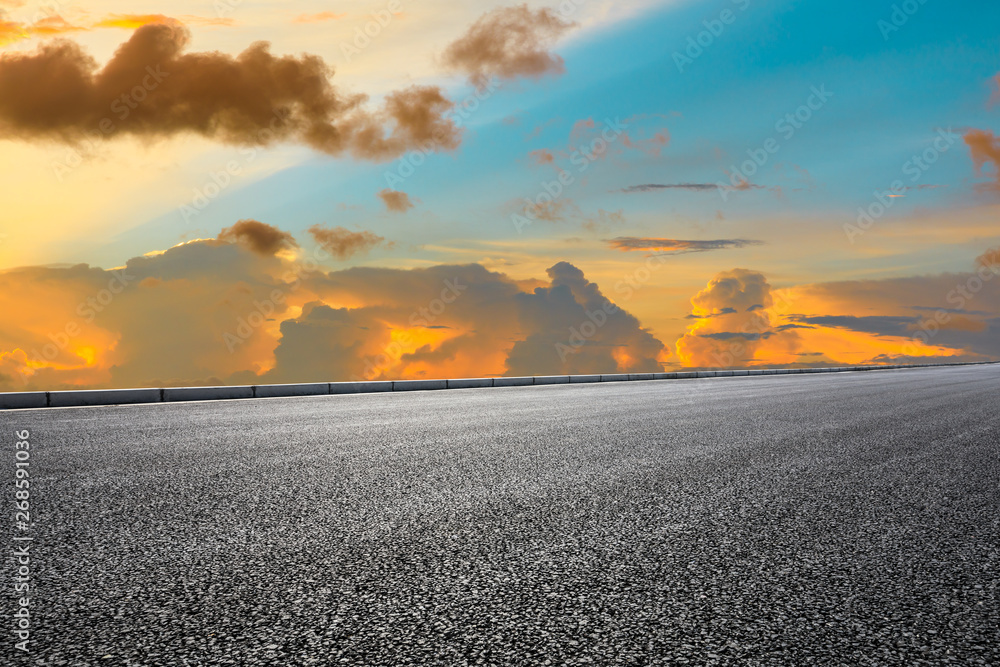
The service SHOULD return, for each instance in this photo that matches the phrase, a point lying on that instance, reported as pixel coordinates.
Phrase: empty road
(785, 520)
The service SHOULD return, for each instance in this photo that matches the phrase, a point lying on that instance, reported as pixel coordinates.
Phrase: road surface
(812, 519)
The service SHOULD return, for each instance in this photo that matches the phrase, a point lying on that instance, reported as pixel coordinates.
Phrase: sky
(237, 192)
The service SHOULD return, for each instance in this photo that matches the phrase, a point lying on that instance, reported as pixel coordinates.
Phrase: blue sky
(889, 99)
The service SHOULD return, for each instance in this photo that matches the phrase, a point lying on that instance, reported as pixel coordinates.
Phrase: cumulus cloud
(395, 201)
(449, 321)
(731, 320)
(259, 237)
(343, 243)
(237, 310)
(676, 246)
(152, 88)
(739, 289)
(985, 148)
(573, 328)
(160, 320)
(509, 42)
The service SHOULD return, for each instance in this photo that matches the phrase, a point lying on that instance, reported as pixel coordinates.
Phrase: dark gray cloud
(955, 311)
(733, 335)
(571, 329)
(889, 325)
(655, 187)
(676, 246)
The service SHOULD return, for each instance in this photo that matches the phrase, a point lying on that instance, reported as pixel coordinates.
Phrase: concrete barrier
(286, 390)
(360, 387)
(66, 399)
(41, 399)
(206, 393)
(418, 385)
(470, 383)
(513, 381)
(24, 399)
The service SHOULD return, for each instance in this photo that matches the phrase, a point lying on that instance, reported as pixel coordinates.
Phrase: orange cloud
(542, 156)
(732, 320)
(48, 26)
(652, 146)
(985, 148)
(509, 42)
(604, 220)
(739, 320)
(318, 18)
(254, 98)
(395, 201)
(236, 309)
(989, 259)
(259, 237)
(343, 243)
(249, 307)
(548, 210)
(133, 21)
(591, 140)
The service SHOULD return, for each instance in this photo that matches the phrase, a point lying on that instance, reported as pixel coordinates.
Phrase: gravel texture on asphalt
(842, 519)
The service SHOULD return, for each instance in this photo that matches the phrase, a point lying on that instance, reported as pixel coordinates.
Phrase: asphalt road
(843, 519)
